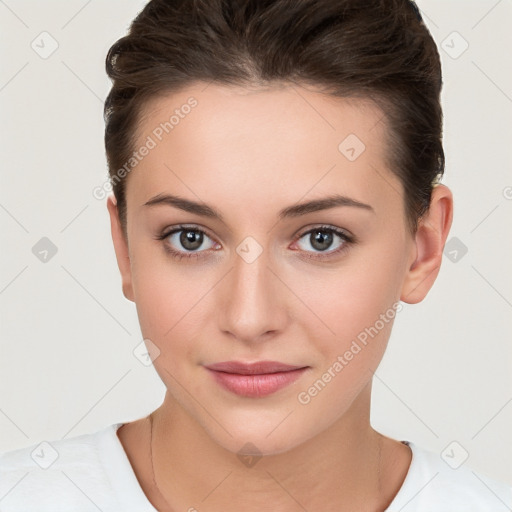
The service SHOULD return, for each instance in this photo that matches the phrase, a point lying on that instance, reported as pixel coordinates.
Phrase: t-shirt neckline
(121, 474)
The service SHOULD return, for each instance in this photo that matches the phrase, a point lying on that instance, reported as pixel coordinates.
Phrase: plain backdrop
(66, 363)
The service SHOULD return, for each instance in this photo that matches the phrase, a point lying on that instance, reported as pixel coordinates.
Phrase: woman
(275, 167)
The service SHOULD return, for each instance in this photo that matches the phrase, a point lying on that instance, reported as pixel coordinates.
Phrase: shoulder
(32, 478)
(440, 482)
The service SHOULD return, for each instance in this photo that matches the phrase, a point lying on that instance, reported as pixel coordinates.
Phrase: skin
(249, 153)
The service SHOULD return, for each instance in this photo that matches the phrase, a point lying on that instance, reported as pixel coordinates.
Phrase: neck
(342, 466)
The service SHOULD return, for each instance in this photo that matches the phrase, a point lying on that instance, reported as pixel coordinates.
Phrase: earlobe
(121, 248)
(430, 238)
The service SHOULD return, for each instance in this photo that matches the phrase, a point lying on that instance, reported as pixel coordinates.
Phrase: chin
(257, 436)
(252, 444)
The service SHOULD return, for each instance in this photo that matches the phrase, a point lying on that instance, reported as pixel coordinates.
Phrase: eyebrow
(296, 210)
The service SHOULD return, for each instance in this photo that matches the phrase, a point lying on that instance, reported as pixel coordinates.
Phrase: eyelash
(178, 255)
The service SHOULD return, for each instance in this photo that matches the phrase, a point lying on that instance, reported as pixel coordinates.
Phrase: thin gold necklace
(379, 486)
(152, 467)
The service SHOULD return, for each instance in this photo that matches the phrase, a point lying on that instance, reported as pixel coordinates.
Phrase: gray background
(67, 365)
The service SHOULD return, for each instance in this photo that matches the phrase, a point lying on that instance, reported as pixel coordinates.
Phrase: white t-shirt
(92, 472)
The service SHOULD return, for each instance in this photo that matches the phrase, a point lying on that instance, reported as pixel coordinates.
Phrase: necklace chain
(152, 467)
(379, 488)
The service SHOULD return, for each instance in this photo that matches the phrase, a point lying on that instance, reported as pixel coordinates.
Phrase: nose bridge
(252, 301)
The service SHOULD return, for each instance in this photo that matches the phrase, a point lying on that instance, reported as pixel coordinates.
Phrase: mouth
(255, 380)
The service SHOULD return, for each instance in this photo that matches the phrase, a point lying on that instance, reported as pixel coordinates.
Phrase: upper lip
(256, 368)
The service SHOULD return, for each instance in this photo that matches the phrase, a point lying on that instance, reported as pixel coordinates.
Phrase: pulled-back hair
(372, 49)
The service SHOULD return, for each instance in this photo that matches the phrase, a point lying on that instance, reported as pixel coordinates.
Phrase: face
(234, 255)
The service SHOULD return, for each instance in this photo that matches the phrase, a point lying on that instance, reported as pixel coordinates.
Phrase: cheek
(163, 301)
(167, 315)
(172, 315)
(350, 301)
(360, 308)
(174, 308)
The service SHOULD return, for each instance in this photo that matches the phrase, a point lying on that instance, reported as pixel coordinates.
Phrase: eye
(324, 241)
(192, 242)
(185, 242)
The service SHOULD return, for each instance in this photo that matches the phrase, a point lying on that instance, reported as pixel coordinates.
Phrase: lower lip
(256, 386)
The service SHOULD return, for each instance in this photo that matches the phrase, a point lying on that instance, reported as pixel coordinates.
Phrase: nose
(253, 303)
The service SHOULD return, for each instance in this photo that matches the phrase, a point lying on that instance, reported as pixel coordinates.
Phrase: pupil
(321, 240)
(191, 240)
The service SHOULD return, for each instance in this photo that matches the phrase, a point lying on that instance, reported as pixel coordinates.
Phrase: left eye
(322, 239)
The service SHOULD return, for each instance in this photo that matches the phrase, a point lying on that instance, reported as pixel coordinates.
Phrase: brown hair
(375, 49)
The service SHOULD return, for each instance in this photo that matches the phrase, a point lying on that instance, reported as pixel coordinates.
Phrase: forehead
(260, 145)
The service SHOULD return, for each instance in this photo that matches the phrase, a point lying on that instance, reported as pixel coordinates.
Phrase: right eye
(187, 242)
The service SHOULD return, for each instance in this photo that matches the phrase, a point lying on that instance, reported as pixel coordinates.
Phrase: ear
(433, 229)
(121, 248)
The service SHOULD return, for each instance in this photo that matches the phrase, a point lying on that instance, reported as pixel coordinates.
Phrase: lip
(255, 380)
